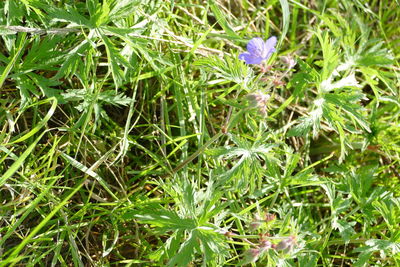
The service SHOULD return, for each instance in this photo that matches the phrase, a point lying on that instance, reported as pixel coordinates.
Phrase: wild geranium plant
(142, 133)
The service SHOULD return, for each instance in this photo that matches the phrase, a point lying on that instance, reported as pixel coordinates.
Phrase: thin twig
(40, 31)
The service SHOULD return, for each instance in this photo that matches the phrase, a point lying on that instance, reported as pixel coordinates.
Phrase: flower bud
(265, 245)
(259, 100)
(251, 255)
(256, 223)
(289, 61)
(269, 217)
(286, 244)
(278, 82)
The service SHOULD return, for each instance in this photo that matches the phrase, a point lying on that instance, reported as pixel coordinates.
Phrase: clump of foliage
(142, 133)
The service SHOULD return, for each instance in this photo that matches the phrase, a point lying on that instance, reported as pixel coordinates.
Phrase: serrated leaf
(112, 98)
(72, 60)
(374, 245)
(165, 219)
(185, 254)
(230, 69)
(123, 8)
(68, 14)
(345, 101)
(340, 205)
(375, 55)
(46, 85)
(213, 246)
(114, 60)
(345, 229)
(312, 121)
(330, 54)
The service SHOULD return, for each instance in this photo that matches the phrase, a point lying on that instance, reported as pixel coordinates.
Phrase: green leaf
(186, 252)
(123, 8)
(213, 246)
(230, 69)
(312, 121)
(46, 85)
(13, 60)
(376, 245)
(374, 55)
(99, 13)
(346, 102)
(285, 19)
(42, 122)
(114, 59)
(330, 54)
(68, 14)
(72, 60)
(389, 210)
(112, 98)
(164, 219)
(300, 81)
(345, 229)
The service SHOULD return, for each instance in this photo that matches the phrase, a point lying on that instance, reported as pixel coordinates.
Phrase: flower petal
(270, 43)
(250, 58)
(256, 46)
(269, 47)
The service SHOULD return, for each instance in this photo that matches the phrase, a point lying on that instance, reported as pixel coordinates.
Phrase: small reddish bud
(256, 223)
(278, 82)
(228, 234)
(289, 61)
(265, 69)
(269, 217)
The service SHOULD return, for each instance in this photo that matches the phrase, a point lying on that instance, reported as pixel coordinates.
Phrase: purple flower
(258, 50)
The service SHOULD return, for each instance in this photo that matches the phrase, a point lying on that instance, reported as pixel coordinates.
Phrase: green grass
(130, 133)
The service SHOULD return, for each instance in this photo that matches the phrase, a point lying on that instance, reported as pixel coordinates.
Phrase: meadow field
(200, 133)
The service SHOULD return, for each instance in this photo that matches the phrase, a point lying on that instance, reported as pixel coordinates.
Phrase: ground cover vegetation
(199, 133)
